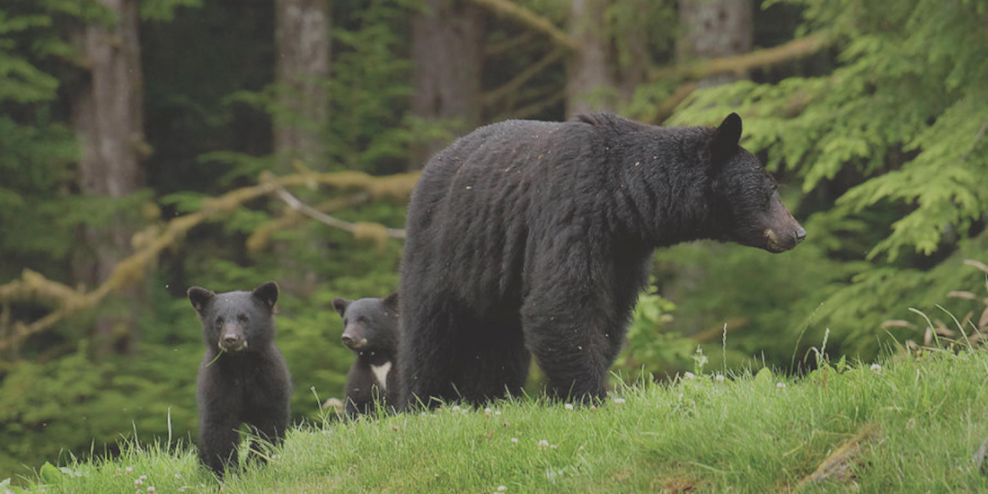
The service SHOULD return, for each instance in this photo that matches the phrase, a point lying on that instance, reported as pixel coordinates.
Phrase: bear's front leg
(573, 343)
(218, 440)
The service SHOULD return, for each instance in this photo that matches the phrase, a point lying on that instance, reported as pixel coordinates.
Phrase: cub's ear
(724, 142)
(200, 297)
(340, 304)
(392, 301)
(267, 293)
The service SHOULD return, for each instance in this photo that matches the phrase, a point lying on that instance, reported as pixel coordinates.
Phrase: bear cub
(243, 378)
(370, 330)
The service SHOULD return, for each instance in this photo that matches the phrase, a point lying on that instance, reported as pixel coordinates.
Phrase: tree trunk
(303, 44)
(589, 80)
(715, 29)
(448, 53)
(108, 120)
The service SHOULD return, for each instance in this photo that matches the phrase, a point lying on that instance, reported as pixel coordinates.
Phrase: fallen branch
(515, 12)
(130, 270)
(839, 465)
(742, 63)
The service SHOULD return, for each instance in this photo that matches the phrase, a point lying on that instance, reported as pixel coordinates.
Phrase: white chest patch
(381, 373)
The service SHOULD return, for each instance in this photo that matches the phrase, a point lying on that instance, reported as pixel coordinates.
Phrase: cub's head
(369, 324)
(236, 321)
(746, 206)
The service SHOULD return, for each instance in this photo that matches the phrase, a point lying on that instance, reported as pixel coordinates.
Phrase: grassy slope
(919, 421)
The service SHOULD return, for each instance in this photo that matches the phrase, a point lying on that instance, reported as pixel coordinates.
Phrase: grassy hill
(915, 424)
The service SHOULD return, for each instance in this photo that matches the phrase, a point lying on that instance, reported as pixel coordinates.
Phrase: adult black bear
(370, 329)
(243, 377)
(535, 237)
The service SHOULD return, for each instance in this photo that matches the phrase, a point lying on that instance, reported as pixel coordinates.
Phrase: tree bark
(715, 29)
(108, 121)
(448, 53)
(589, 80)
(302, 39)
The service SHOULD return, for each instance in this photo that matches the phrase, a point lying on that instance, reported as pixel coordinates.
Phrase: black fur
(370, 330)
(535, 237)
(248, 382)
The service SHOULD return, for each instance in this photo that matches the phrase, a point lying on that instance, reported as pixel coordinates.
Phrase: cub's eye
(345, 322)
(362, 320)
(242, 318)
(219, 320)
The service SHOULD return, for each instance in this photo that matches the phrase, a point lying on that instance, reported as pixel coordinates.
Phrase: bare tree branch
(515, 12)
(354, 228)
(769, 56)
(153, 240)
(524, 76)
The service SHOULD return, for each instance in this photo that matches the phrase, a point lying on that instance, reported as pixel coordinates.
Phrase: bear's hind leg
(492, 361)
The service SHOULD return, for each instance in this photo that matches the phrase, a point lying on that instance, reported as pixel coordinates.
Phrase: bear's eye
(362, 320)
(242, 318)
(219, 320)
(345, 322)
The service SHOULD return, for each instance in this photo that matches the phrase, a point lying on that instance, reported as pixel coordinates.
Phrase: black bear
(370, 329)
(243, 377)
(529, 237)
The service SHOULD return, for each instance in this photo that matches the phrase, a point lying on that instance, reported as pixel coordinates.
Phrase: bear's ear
(267, 293)
(200, 297)
(392, 301)
(724, 142)
(340, 304)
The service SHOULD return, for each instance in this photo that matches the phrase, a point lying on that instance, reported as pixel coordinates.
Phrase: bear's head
(746, 206)
(369, 324)
(236, 321)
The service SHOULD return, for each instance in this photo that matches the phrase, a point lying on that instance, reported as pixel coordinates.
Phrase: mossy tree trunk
(302, 41)
(107, 111)
(448, 39)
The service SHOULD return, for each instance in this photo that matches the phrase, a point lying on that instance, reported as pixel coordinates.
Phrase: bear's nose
(229, 340)
(800, 234)
(347, 339)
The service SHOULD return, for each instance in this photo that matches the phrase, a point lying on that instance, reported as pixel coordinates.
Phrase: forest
(147, 146)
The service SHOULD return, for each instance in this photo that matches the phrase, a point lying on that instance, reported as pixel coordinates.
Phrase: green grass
(918, 420)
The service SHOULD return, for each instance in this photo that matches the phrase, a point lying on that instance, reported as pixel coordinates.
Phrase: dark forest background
(150, 145)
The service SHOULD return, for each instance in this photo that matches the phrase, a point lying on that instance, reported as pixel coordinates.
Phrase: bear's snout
(232, 342)
(353, 342)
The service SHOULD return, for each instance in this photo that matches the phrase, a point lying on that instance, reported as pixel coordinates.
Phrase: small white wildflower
(487, 412)
(181, 489)
(543, 444)
(143, 477)
(128, 470)
(502, 488)
(151, 489)
(568, 406)
(456, 408)
(618, 400)
(138, 482)
(178, 475)
(877, 368)
(514, 440)
(719, 378)
(680, 396)
(688, 375)
(780, 385)
(497, 412)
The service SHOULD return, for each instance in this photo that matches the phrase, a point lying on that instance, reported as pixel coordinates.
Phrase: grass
(912, 425)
